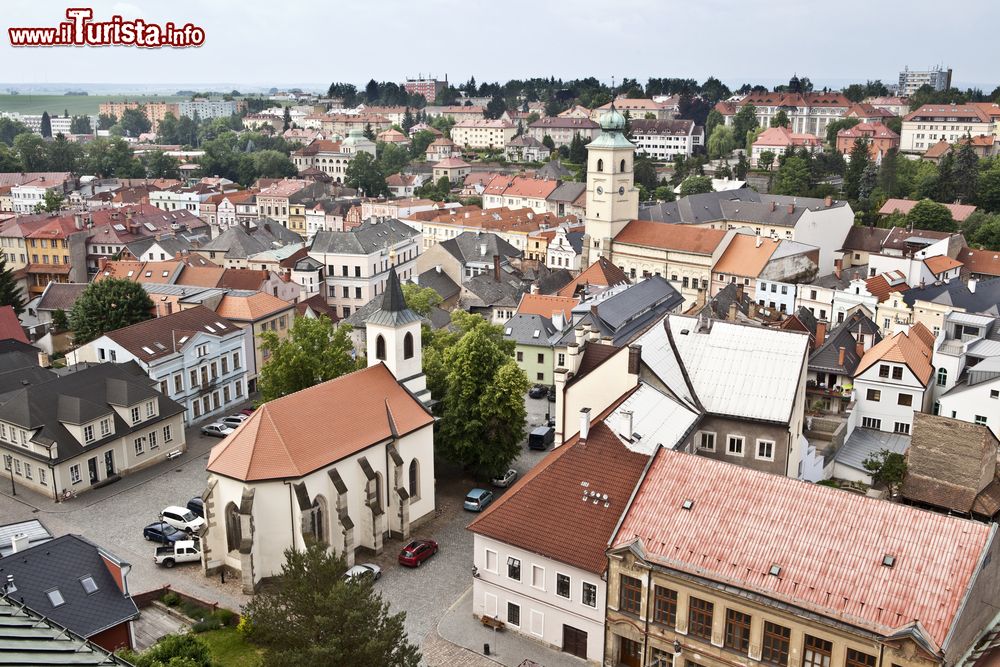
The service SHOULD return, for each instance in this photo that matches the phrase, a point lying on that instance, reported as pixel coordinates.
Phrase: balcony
(820, 389)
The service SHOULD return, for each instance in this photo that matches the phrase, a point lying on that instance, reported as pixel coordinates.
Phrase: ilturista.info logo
(80, 29)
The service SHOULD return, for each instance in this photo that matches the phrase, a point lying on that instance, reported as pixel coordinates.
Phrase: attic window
(209, 328)
(687, 504)
(89, 585)
(130, 273)
(146, 350)
(149, 274)
(220, 325)
(775, 570)
(55, 597)
(164, 274)
(535, 333)
(183, 339)
(506, 332)
(888, 560)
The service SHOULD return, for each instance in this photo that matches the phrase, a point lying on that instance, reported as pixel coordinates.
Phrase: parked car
(182, 519)
(538, 391)
(216, 429)
(364, 570)
(552, 393)
(197, 506)
(247, 411)
(416, 552)
(232, 421)
(477, 500)
(163, 533)
(504, 480)
(181, 551)
(541, 437)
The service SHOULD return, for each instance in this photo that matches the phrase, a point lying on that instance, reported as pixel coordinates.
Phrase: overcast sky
(263, 42)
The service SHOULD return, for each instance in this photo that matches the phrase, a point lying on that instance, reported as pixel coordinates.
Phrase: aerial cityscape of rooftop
(331, 336)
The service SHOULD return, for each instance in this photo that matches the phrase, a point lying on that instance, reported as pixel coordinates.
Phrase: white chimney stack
(972, 285)
(19, 543)
(584, 424)
(625, 428)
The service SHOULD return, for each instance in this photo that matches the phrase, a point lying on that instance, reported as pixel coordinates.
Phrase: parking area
(114, 517)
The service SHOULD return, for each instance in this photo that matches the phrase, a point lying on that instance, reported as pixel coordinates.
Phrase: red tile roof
(960, 212)
(10, 326)
(602, 272)
(546, 305)
(251, 308)
(828, 543)
(983, 262)
(941, 264)
(882, 285)
(287, 438)
(544, 512)
(913, 348)
(670, 236)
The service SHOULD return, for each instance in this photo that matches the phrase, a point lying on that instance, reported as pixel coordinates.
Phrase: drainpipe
(55, 484)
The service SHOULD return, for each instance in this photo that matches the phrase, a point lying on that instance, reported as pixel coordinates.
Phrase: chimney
(859, 348)
(972, 285)
(774, 205)
(732, 312)
(19, 543)
(584, 425)
(840, 355)
(78, 221)
(101, 263)
(496, 268)
(820, 333)
(634, 358)
(828, 201)
(758, 242)
(791, 209)
(43, 359)
(838, 267)
(625, 427)
(534, 288)
(437, 267)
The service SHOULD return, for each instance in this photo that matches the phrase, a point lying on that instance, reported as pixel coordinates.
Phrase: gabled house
(256, 312)
(77, 584)
(534, 336)
(833, 365)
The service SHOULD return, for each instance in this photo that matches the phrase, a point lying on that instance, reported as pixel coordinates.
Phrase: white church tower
(393, 333)
(612, 198)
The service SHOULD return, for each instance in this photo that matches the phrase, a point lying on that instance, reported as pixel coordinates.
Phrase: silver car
(216, 429)
(504, 480)
(363, 570)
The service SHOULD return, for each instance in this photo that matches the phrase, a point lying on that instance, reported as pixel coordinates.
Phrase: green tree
(989, 188)
(10, 129)
(644, 173)
(80, 125)
(369, 132)
(420, 299)
(888, 178)
(714, 120)
(742, 167)
(765, 160)
(46, 125)
(482, 407)
(52, 203)
(392, 158)
(780, 119)
(577, 150)
(10, 293)
(273, 164)
(985, 234)
(887, 468)
(745, 120)
(32, 152)
(166, 131)
(408, 121)
(312, 616)
(419, 143)
(932, 216)
(61, 154)
(943, 187)
(721, 142)
(365, 174)
(664, 193)
(286, 118)
(693, 185)
(158, 164)
(548, 142)
(134, 121)
(313, 352)
(793, 178)
(856, 166)
(107, 305)
(966, 174)
(60, 322)
(495, 107)
(112, 157)
(186, 650)
(105, 121)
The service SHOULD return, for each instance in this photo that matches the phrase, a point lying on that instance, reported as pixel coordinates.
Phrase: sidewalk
(509, 648)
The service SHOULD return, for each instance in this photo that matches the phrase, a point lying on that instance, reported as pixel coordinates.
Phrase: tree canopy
(364, 173)
(420, 299)
(693, 185)
(312, 616)
(10, 293)
(107, 305)
(932, 216)
(313, 352)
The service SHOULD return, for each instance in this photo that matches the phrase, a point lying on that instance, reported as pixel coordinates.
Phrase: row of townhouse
(542, 195)
(516, 226)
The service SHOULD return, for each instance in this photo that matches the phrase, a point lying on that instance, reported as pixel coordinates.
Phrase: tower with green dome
(612, 198)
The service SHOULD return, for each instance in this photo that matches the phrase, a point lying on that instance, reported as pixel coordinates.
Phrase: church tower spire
(393, 338)
(612, 198)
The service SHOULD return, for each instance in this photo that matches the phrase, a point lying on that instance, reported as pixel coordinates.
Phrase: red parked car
(416, 552)
(247, 411)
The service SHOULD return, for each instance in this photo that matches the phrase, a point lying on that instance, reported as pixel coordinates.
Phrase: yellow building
(717, 565)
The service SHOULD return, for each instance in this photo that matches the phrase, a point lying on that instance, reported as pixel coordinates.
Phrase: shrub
(225, 616)
(171, 599)
(210, 623)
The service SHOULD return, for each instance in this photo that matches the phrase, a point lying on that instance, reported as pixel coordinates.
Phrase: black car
(538, 391)
(552, 393)
(197, 506)
(163, 533)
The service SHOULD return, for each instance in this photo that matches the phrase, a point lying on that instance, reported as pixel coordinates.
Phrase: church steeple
(393, 338)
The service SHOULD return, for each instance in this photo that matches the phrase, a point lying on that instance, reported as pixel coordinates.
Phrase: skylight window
(89, 585)
(149, 274)
(220, 325)
(888, 560)
(146, 350)
(506, 332)
(55, 597)
(775, 570)
(535, 333)
(687, 504)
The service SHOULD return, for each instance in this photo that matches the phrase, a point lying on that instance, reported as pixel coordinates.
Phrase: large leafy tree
(836, 126)
(793, 178)
(745, 120)
(887, 468)
(11, 128)
(420, 299)
(932, 216)
(780, 119)
(158, 164)
(313, 352)
(482, 395)
(312, 616)
(62, 154)
(966, 173)
(855, 168)
(693, 185)
(80, 125)
(713, 120)
(989, 188)
(721, 141)
(134, 121)
(32, 152)
(107, 305)
(364, 173)
(10, 293)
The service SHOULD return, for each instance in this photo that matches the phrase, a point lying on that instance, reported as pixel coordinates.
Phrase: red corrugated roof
(828, 543)
(10, 326)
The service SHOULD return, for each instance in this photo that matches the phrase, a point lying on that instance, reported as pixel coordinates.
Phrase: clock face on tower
(600, 190)
(621, 189)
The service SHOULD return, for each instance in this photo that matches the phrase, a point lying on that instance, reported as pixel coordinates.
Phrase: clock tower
(612, 198)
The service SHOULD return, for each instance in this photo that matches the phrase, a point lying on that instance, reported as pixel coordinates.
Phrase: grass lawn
(75, 104)
(229, 649)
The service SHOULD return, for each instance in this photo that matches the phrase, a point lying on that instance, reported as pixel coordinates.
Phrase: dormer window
(88, 433)
(105, 426)
(150, 410)
(135, 415)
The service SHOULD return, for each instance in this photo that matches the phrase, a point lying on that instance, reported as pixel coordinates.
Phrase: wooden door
(574, 642)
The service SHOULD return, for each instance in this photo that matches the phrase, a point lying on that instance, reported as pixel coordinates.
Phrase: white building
(354, 462)
(206, 108)
(967, 369)
(932, 123)
(663, 139)
(910, 81)
(565, 250)
(776, 296)
(893, 380)
(483, 133)
(196, 357)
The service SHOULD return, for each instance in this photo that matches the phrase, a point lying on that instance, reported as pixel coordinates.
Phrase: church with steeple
(612, 198)
(393, 337)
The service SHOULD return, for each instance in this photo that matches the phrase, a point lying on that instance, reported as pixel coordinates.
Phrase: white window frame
(74, 474)
(569, 586)
(167, 435)
(106, 426)
(743, 444)
(88, 433)
(138, 446)
(520, 570)
(583, 598)
(699, 436)
(761, 441)
(496, 561)
(136, 415)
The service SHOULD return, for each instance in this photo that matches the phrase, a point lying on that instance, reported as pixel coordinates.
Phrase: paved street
(114, 516)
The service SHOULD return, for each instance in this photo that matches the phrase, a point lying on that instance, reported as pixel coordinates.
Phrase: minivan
(541, 437)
